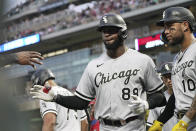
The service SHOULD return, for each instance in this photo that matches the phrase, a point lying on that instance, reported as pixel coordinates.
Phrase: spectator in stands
(72, 18)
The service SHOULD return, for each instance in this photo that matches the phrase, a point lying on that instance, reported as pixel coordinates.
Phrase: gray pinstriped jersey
(67, 119)
(184, 78)
(112, 81)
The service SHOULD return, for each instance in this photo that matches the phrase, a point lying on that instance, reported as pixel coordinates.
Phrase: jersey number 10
(190, 85)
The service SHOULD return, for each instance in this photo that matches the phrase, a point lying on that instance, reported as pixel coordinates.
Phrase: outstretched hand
(39, 92)
(29, 58)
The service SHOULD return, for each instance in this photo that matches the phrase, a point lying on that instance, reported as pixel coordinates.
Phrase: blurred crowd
(69, 17)
(24, 5)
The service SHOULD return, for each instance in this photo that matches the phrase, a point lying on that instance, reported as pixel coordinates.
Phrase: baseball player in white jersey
(165, 72)
(56, 117)
(178, 25)
(120, 79)
(184, 83)
(155, 113)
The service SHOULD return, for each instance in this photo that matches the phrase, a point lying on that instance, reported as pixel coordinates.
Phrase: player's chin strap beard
(177, 41)
(115, 45)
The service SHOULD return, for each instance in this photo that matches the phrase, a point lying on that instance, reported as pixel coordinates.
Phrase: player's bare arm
(28, 58)
(190, 114)
(49, 122)
(192, 110)
(23, 58)
(7, 59)
(84, 125)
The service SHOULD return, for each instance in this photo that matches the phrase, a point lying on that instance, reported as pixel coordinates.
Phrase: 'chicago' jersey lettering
(101, 78)
(182, 66)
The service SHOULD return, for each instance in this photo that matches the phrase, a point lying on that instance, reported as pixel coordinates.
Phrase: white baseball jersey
(113, 81)
(67, 119)
(156, 112)
(184, 78)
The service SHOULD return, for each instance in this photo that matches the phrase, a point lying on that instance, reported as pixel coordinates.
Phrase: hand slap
(37, 92)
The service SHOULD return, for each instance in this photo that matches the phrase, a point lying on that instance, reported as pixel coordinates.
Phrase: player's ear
(185, 26)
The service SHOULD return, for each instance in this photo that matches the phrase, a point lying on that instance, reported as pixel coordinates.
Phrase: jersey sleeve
(85, 89)
(168, 111)
(152, 80)
(82, 114)
(151, 117)
(46, 107)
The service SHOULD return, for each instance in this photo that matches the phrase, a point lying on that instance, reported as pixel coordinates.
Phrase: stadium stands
(69, 17)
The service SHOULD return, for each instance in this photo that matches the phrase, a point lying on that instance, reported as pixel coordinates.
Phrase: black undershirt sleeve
(156, 100)
(168, 111)
(71, 102)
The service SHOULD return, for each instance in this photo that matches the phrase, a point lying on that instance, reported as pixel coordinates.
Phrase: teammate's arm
(190, 114)
(165, 116)
(49, 122)
(153, 85)
(84, 125)
(7, 59)
(71, 102)
(156, 99)
(168, 111)
(192, 110)
(22, 58)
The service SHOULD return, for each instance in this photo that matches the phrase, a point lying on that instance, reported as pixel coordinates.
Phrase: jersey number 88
(126, 93)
